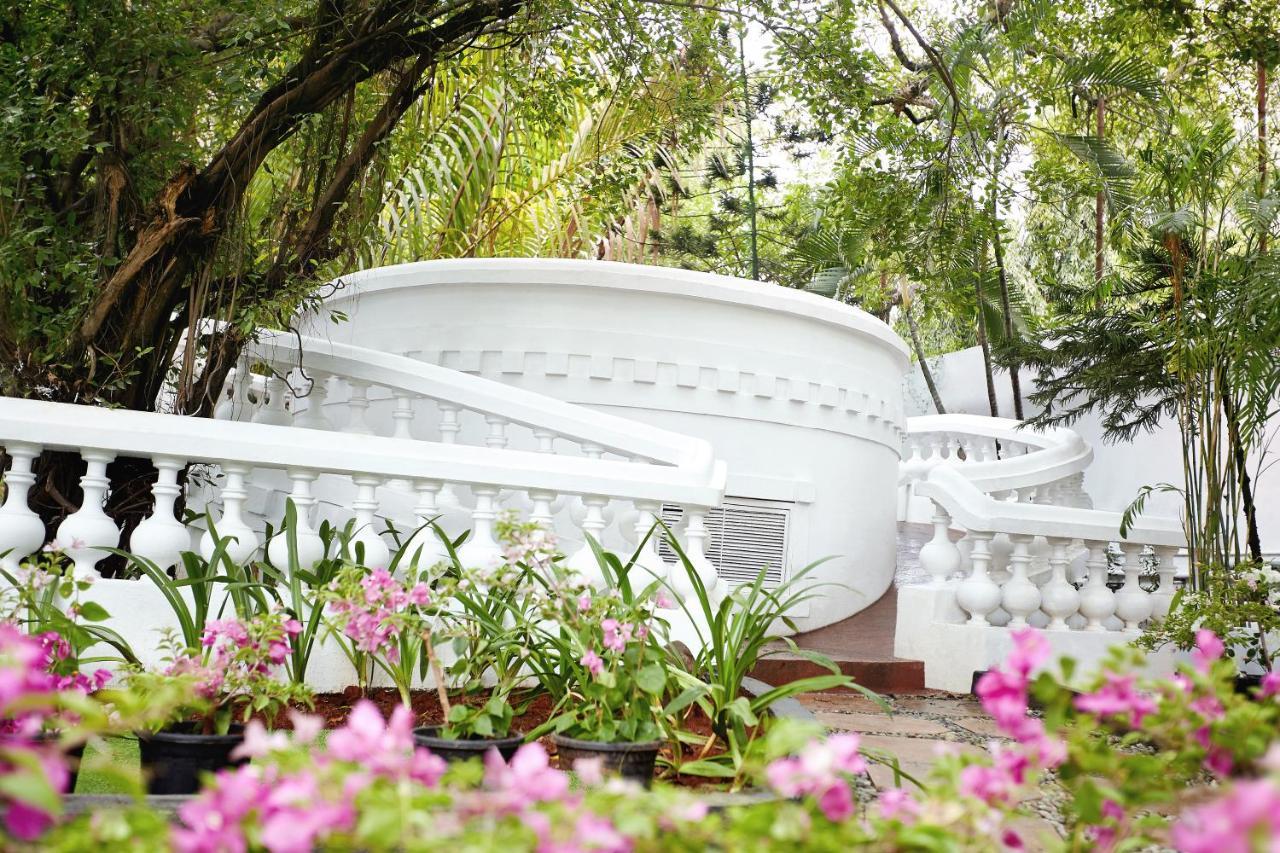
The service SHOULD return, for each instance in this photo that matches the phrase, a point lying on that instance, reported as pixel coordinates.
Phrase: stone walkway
(920, 727)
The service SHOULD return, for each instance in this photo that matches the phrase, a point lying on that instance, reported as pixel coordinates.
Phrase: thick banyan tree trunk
(134, 322)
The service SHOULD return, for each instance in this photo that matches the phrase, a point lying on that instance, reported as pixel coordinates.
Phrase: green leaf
(652, 679)
(92, 611)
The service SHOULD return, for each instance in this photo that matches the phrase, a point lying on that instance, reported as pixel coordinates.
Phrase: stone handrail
(997, 455)
(990, 596)
(240, 450)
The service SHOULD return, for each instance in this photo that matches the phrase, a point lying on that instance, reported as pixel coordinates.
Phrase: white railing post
(310, 546)
(1060, 600)
(481, 550)
(1020, 596)
(1133, 603)
(314, 417)
(648, 558)
(358, 406)
(274, 411)
(85, 533)
(695, 548)
(1097, 601)
(365, 533)
(977, 594)
(424, 545)
(939, 556)
(1162, 598)
(21, 530)
(584, 560)
(242, 541)
(161, 538)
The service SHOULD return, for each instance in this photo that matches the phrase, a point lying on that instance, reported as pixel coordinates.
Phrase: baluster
(448, 500)
(358, 405)
(977, 594)
(935, 449)
(481, 550)
(1097, 601)
(1020, 596)
(1060, 598)
(593, 524)
(648, 557)
(951, 444)
(161, 538)
(986, 450)
(314, 416)
(274, 412)
(542, 513)
(696, 541)
(1133, 603)
(241, 539)
(21, 530)
(546, 440)
(425, 548)
(85, 533)
(939, 556)
(497, 435)
(310, 546)
(966, 448)
(403, 416)
(1162, 598)
(547, 444)
(376, 553)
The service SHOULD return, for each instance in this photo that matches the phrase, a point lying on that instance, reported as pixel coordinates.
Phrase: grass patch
(110, 766)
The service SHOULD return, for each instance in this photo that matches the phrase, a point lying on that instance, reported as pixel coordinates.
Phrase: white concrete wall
(1118, 470)
(799, 395)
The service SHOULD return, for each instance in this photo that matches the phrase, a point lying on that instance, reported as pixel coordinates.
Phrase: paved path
(920, 727)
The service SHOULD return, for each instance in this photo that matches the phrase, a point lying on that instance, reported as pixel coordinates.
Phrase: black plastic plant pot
(464, 749)
(634, 761)
(174, 759)
(1246, 684)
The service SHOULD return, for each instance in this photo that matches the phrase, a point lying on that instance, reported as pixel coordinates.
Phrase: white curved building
(799, 395)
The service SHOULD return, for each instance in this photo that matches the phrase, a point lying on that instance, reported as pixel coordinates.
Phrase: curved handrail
(64, 426)
(619, 435)
(975, 510)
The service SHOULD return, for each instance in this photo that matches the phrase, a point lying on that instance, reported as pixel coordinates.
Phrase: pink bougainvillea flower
(1270, 685)
(584, 602)
(1245, 818)
(306, 727)
(898, 804)
(529, 778)
(1117, 698)
(593, 662)
(614, 640)
(1208, 649)
(663, 601)
(259, 742)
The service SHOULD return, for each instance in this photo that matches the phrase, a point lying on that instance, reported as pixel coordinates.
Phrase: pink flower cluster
(26, 683)
(370, 617)
(820, 771)
(1244, 819)
(1003, 692)
(293, 811)
(1118, 698)
(56, 652)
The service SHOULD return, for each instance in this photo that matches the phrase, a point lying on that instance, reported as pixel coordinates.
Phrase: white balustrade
(314, 416)
(1166, 571)
(1097, 601)
(481, 550)
(1133, 603)
(160, 537)
(310, 547)
(241, 542)
(358, 408)
(939, 556)
(365, 533)
(85, 535)
(1059, 598)
(21, 530)
(424, 548)
(274, 411)
(977, 594)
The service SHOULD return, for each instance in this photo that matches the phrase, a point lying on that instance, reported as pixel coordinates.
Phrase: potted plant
(614, 677)
(231, 677)
(1240, 605)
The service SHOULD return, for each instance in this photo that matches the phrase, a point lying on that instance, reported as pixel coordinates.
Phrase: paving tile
(915, 755)
(984, 726)
(881, 723)
(958, 706)
(843, 701)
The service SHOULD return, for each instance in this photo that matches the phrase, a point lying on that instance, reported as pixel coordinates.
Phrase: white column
(241, 540)
(1162, 598)
(939, 556)
(310, 546)
(977, 594)
(86, 532)
(274, 412)
(448, 500)
(497, 434)
(695, 548)
(1060, 598)
(358, 405)
(403, 415)
(648, 557)
(376, 553)
(161, 538)
(1020, 597)
(425, 547)
(584, 560)
(481, 550)
(1097, 601)
(21, 530)
(314, 417)
(1133, 603)
(542, 513)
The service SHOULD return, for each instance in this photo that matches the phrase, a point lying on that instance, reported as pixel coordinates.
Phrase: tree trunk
(1099, 204)
(1015, 381)
(924, 364)
(992, 400)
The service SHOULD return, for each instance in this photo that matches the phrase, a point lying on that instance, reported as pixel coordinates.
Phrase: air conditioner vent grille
(745, 536)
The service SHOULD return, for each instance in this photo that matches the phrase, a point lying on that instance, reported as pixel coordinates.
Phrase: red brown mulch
(533, 709)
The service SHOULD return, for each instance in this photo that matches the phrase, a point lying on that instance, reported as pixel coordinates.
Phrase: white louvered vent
(747, 535)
